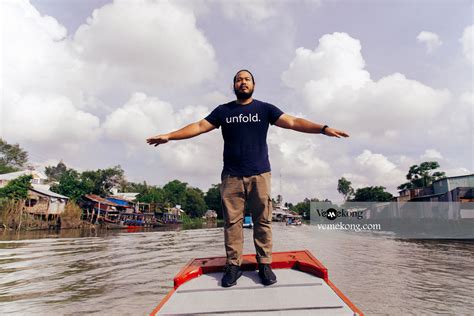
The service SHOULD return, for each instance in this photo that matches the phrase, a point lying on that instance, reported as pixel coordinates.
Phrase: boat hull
(303, 287)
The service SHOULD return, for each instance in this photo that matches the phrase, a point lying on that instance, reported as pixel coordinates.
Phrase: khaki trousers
(255, 190)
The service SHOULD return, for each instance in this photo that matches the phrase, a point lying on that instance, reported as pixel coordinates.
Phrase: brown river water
(128, 273)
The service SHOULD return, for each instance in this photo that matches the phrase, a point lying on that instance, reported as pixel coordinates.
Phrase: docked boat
(303, 288)
(293, 222)
(129, 220)
(248, 223)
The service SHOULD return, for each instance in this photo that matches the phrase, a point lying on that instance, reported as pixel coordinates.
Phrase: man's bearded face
(243, 85)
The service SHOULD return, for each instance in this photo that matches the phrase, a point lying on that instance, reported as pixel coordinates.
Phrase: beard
(241, 95)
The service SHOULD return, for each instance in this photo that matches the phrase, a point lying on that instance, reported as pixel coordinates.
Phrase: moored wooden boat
(303, 288)
(248, 223)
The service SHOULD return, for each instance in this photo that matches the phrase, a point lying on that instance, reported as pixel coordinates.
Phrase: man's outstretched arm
(191, 130)
(305, 126)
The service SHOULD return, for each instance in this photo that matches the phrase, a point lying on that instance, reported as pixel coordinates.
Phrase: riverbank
(14, 217)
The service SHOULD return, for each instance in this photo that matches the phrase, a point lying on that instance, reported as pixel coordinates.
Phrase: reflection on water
(116, 272)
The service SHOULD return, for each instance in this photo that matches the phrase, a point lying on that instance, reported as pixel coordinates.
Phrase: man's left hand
(332, 132)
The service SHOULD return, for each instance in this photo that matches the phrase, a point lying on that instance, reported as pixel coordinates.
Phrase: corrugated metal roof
(14, 175)
(118, 201)
(427, 196)
(45, 190)
(455, 177)
(128, 196)
(98, 199)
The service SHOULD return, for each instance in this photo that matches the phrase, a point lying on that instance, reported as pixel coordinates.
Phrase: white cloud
(124, 45)
(461, 116)
(260, 11)
(430, 39)
(36, 56)
(214, 97)
(374, 169)
(253, 10)
(296, 155)
(323, 67)
(39, 74)
(453, 172)
(145, 45)
(467, 98)
(431, 154)
(336, 88)
(357, 180)
(48, 119)
(467, 42)
(377, 166)
(142, 117)
(138, 119)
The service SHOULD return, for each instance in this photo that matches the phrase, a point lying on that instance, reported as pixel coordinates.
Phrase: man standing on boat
(246, 176)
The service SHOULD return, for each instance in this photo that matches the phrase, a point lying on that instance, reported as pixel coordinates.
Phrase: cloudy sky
(87, 81)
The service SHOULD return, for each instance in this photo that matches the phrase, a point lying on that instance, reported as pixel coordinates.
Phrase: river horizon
(128, 273)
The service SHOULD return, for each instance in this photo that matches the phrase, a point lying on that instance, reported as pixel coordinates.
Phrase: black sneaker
(266, 274)
(231, 274)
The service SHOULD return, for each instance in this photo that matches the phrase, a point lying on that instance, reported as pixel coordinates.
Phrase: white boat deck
(295, 293)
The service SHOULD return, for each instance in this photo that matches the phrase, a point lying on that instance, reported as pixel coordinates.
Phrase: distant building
(210, 215)
(96, 203)
(38, 177)
(173, 214)
(40, 199)
(126, 205)
(450, 183)
(45, 202)
(281, 213)
(449, 189)
(128, 196)
(95, 207)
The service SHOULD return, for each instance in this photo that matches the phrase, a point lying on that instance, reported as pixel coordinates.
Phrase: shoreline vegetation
(14, 217)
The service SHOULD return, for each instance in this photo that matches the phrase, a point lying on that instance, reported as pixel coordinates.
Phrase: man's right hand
(191, 130)
(157, 140)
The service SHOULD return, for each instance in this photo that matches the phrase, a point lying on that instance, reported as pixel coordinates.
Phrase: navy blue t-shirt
(244, 129)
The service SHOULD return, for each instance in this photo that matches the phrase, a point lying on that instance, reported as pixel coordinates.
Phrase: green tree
(12, 157)
(194, 204)
(72, 185)
(344, 187)
(17, 189)
(304, 208)
(372, 194)
(54, 172)
(102, 180)
(175, 192)
(279, 199)
(213, 199)
(421, 176)
(141, 188)
(153, 195)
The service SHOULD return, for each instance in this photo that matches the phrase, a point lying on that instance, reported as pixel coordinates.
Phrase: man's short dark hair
(251, 75)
